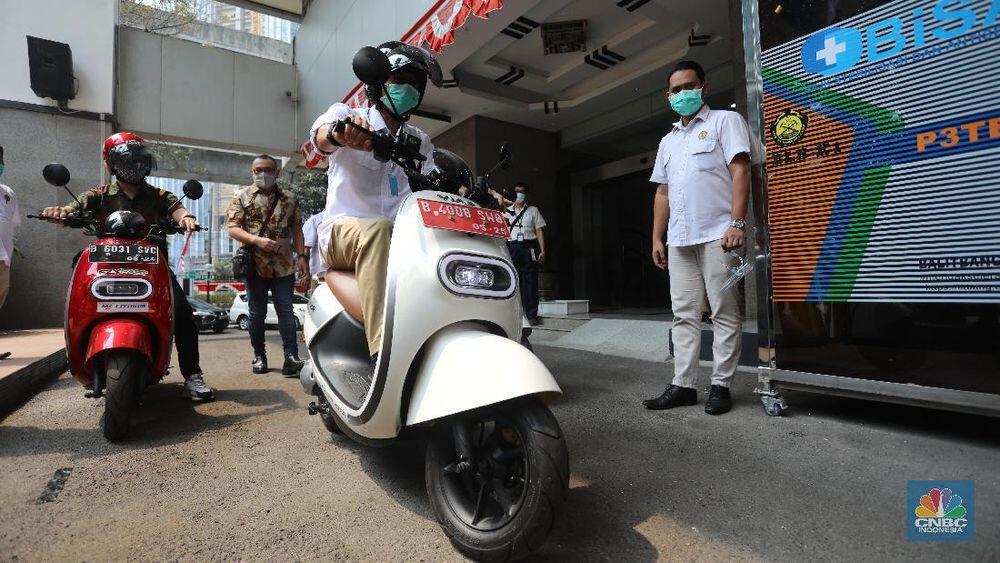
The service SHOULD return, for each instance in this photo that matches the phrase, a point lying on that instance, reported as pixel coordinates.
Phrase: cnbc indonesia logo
(941, 513)
(836, 49)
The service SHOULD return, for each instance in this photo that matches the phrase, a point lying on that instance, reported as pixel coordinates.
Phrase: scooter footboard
(465, 368)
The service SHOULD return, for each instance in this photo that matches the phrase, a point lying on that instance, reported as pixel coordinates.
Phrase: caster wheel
(774, 405)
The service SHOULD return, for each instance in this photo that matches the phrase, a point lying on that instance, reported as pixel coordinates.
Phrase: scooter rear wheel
(499, 502)
(122, 369)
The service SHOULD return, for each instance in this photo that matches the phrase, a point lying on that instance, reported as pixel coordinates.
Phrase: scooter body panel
(418, 306)
(453, 377)
(116, 334)
(86, 312)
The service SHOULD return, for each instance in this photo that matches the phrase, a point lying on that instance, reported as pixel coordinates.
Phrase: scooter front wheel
(497, 477)
(122, 369)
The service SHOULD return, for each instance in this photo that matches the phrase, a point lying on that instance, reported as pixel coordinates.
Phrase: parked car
(208, 316)
(239, 313)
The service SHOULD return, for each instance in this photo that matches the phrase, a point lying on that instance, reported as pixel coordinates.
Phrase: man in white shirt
(10, 218)
(527, 248)
(364, 194)
(703, 171)
(310, 238)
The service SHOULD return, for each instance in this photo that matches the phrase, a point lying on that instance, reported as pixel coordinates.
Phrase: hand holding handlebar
(358, 136)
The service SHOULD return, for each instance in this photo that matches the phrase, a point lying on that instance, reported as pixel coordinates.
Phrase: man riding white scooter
(364, 194)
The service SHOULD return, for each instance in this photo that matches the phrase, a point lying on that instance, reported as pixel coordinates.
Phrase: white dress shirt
(358, 185)
(526, 225)
(310, 238)
(10, 218)
(693, 162)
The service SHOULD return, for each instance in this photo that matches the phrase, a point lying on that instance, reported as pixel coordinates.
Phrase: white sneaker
(196, 388)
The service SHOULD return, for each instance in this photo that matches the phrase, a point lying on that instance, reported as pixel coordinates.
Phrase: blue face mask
(686, 102)
(404, 98)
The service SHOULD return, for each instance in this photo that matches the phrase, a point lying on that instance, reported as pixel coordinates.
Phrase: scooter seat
(344, 286)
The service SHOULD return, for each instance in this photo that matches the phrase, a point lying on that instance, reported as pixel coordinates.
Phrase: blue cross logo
(832, 50)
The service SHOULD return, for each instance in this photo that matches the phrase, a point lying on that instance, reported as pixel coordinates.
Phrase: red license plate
(463, 218)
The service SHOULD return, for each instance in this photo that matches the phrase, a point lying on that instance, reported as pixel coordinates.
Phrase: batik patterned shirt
(247, 211)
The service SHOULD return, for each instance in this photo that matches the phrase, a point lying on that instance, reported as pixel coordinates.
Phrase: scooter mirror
(371, 66)
(504, 155)
(56, 174)
(193, 189)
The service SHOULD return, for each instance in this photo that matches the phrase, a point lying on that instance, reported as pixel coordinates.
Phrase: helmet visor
(131, 162)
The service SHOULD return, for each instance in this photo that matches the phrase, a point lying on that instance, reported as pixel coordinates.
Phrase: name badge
(520, 237)
(393, 185)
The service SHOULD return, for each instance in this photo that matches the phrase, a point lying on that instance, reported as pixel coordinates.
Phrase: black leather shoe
(292, 365)
(718, 401)
(674, 396)
(260, 364)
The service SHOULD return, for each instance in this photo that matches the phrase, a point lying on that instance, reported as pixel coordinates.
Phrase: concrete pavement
(251, 476)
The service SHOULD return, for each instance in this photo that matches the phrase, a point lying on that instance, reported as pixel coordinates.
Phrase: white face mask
(520, 197)
(265, 180)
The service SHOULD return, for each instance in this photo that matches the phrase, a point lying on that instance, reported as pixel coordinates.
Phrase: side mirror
(504, 155)
(371, 66)
(56, 174)
(193, 189)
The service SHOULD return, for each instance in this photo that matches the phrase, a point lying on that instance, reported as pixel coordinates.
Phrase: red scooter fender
(119, 333)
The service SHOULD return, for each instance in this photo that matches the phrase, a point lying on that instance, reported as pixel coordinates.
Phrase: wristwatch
(740, 224)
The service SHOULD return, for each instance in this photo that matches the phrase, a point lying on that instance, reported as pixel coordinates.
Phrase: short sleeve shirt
(149, 201)
(693, 162)
(10, 218)
(310, 238)
(526, 225)
(247, 211)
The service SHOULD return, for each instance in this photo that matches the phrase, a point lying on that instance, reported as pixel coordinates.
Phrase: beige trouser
(4, 281)
(693, 270)
(362, 245)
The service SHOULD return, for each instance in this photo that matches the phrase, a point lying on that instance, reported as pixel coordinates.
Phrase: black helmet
(125, 223)
(403, 56)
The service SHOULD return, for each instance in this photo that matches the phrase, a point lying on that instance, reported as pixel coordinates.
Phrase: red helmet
(128, 158)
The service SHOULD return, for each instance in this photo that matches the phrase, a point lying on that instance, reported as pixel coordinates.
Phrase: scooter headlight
(477, 276)
(474, 276)
(121, 288)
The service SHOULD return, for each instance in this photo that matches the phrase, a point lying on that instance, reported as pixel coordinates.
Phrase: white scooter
(496, 467)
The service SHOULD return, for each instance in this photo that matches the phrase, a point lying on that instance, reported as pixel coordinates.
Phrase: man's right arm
(234, 225)
(327, 140)
(661, 205)
(661, 215)
(57, 213)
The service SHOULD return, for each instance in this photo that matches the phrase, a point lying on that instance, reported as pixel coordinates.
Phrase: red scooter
(119, 311)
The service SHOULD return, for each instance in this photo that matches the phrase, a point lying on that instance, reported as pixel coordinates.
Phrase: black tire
(243, 322)
(122, 370)
(218, 330)
(328, 417)
(522, 515)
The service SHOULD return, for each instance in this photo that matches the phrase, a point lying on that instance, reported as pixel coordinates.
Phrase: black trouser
(282, 289)
(185, 332)
(527, 273)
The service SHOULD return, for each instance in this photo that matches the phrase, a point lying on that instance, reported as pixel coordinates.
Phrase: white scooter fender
(465, 368)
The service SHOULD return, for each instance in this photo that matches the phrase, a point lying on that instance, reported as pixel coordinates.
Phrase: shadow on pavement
(165, 417)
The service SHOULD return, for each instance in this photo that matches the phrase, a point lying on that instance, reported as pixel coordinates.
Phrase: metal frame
(770, 380)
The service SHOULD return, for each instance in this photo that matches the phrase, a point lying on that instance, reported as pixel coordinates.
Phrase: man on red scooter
(130, 161)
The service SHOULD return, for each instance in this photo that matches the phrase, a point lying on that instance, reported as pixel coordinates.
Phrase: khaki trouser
(362, 245)
(693, 270)
(4, 281)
